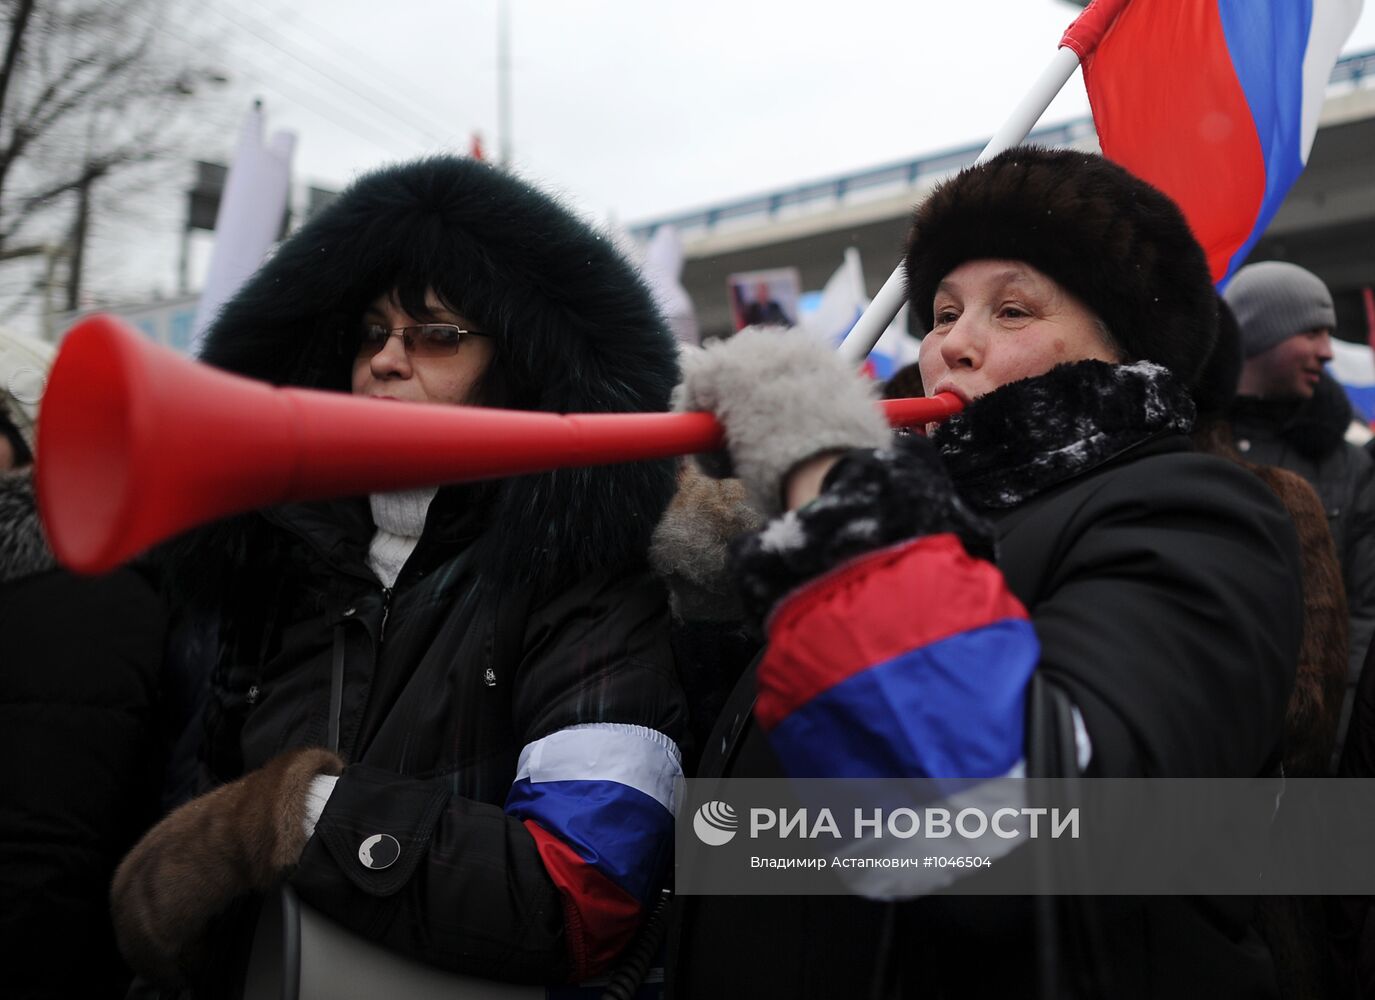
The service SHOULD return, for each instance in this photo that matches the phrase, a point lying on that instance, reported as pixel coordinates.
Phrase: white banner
(250, 216)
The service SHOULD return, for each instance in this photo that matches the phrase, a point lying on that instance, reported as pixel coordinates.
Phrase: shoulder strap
(731, 724)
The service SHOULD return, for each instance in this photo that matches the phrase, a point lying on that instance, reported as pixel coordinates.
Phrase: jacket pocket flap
(377, 826)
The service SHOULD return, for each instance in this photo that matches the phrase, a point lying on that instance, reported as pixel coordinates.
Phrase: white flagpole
(884, 308)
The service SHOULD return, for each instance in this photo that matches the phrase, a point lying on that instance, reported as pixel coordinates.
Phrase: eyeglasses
(427, 340)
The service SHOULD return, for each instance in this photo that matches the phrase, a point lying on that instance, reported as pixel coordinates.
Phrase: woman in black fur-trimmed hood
(1053, 583)
(449, 716)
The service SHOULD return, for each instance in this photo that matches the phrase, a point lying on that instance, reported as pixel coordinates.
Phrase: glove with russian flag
(871, 499)
(895, 647)
(783, 398)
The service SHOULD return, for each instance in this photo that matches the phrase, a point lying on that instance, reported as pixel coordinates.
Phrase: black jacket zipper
(386, 610)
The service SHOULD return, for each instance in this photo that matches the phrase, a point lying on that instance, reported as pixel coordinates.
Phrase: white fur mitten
(783, 398)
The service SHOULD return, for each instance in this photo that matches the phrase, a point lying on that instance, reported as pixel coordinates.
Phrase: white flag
(841, 303)
(1353, 365)
(662, 270)
(249, 218)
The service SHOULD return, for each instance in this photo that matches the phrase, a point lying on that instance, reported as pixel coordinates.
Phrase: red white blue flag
(1216, 102)
(854, 685)
(599, 801)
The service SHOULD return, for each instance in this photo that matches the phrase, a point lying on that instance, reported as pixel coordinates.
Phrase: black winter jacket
(1351, 919)
(444, 681)
(1307, 437)
(80, 743)
(1163, 587)
(520, 665)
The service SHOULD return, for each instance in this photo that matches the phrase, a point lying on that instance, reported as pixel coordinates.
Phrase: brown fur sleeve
(240, 838)
(692, 541)
(1311, 716)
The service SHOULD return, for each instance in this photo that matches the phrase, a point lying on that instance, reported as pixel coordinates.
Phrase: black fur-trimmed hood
(575, 328)
(1030, 435)
(23, 549)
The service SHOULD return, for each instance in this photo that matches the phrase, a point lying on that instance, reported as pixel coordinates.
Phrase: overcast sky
(631, 109)
(637, 108)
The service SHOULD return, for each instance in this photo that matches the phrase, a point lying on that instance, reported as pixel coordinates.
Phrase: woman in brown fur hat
(1057, 543)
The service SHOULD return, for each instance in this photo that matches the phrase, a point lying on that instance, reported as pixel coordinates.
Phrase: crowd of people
(453, 720)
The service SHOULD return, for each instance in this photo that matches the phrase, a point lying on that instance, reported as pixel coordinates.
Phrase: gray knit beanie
(1274, 300)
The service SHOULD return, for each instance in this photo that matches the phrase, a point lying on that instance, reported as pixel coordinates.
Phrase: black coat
(1351, 919)
(445, 679)
(1143, 559)
(79, 739)
(1308, 438)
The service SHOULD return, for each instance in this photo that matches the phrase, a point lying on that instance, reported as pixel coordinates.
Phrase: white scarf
(400, 518)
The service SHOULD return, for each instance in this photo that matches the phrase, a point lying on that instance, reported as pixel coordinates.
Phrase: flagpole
(504, 84)
(1080, 39)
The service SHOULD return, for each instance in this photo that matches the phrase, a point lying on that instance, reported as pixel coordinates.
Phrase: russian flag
(1216, 102)
(912, 663)
(830, 313)
(599, 800)
(1353, 365)
(863, 678)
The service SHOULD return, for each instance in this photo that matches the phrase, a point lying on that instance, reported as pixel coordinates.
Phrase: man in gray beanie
(1286, 320)
(1290, 413)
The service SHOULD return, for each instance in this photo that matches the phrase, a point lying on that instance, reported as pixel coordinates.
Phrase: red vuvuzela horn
(136, 443)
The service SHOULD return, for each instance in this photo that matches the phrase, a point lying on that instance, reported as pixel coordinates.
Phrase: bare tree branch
(18, 26)
(16, 253)
(88, 93)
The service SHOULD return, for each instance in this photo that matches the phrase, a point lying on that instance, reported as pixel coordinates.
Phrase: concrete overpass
(1327, 224)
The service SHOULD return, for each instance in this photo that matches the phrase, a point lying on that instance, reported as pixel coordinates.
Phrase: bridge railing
(1353, 71)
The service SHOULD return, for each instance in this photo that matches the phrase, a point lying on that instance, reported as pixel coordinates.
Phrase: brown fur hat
(1115, 242)
(1216, 386)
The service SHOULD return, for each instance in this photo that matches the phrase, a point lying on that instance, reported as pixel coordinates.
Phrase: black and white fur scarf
(24, 550)
(1002, 450)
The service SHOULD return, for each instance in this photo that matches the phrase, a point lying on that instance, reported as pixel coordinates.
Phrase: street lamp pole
(504, 82)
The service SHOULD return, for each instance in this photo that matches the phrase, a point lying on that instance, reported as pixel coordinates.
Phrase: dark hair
(1217, 383)
(22, 455)
(905, 383)
(498, 385)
